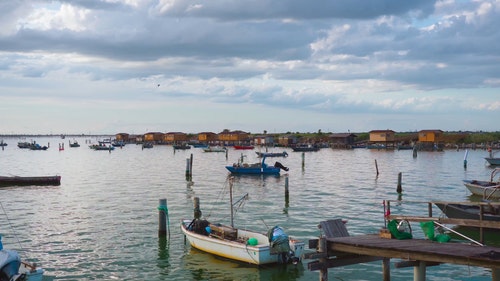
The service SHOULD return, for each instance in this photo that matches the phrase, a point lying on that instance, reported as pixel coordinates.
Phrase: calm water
(102, 221)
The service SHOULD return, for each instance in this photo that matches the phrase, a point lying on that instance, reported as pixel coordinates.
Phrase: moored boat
(486, 189)
(305, 148)
(101, 146)
(215, 149)
(182, 146)
(74, 144)
(39, 180)
(240, 147)
(240, 244)
(491, 159)
(469, 210)
(260, 168)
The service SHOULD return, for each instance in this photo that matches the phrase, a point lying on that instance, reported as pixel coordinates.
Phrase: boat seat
(334, 228)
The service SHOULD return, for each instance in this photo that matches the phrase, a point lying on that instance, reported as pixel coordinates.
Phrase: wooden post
(162, 218)
(386, 269)
(303, 159)
(495, 274)
(376, 166)
(286, 192)
(419, 271)
(323, 273)
(196, 210)
(465, 158)
(191, 167)
(188, 165)
(399, 189)
(414, 152)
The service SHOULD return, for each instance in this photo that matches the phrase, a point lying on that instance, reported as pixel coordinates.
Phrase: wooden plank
(343, 261)
(417, 249)
(403, 264)
(334, 228)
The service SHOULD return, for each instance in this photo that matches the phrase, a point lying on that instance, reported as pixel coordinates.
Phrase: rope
(12, 227)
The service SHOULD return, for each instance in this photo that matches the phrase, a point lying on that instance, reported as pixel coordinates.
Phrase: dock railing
(481, 223)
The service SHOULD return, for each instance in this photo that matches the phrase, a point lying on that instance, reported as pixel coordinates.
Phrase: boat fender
(208, 229)
(252, 241)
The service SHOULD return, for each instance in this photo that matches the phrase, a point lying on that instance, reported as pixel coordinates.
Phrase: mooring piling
(196, 210)
(162, 218)
(465, 158)
(286, 191)
(376, 166)
(399, 189)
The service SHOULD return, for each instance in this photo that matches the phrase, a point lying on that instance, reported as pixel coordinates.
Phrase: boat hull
(465, 211)
(253, 170)
(43, 180)
(485, 189)
(493, 161)
(238, 249)
(243, 147)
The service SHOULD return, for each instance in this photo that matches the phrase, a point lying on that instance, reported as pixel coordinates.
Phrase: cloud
(380, 57)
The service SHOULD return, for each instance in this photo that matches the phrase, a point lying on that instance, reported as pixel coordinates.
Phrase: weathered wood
(334, 228)
(342, 261)
(313, 256)
(386, 269)
(313, 243)
(403, 264)
(417, 249)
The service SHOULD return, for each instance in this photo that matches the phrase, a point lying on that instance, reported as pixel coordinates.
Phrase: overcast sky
(137, 66)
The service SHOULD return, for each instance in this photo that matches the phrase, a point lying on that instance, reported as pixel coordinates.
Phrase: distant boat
(182, 146)
(118, 143)
(74, 144)
(199, 145)
(39, 180)
(3, 143)
(239, 147)
(305, 148)
(256, 169)
(486, 189)
(36, 146)
(215, 149)
(147, 145)
(101, 146)
(24, 144)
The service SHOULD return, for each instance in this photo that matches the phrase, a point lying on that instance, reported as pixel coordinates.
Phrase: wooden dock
(345, 250)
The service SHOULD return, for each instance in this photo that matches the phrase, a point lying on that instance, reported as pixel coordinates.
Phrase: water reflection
(204, 266)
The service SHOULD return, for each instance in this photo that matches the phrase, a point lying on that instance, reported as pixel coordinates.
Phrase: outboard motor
(280, 245)
(279, 165)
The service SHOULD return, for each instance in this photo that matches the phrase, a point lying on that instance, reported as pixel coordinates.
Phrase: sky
(138, 66)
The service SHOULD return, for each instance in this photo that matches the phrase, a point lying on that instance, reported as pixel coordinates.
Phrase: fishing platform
(336, 248)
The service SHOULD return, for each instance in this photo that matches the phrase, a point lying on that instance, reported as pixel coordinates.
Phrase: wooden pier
(335, 248)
